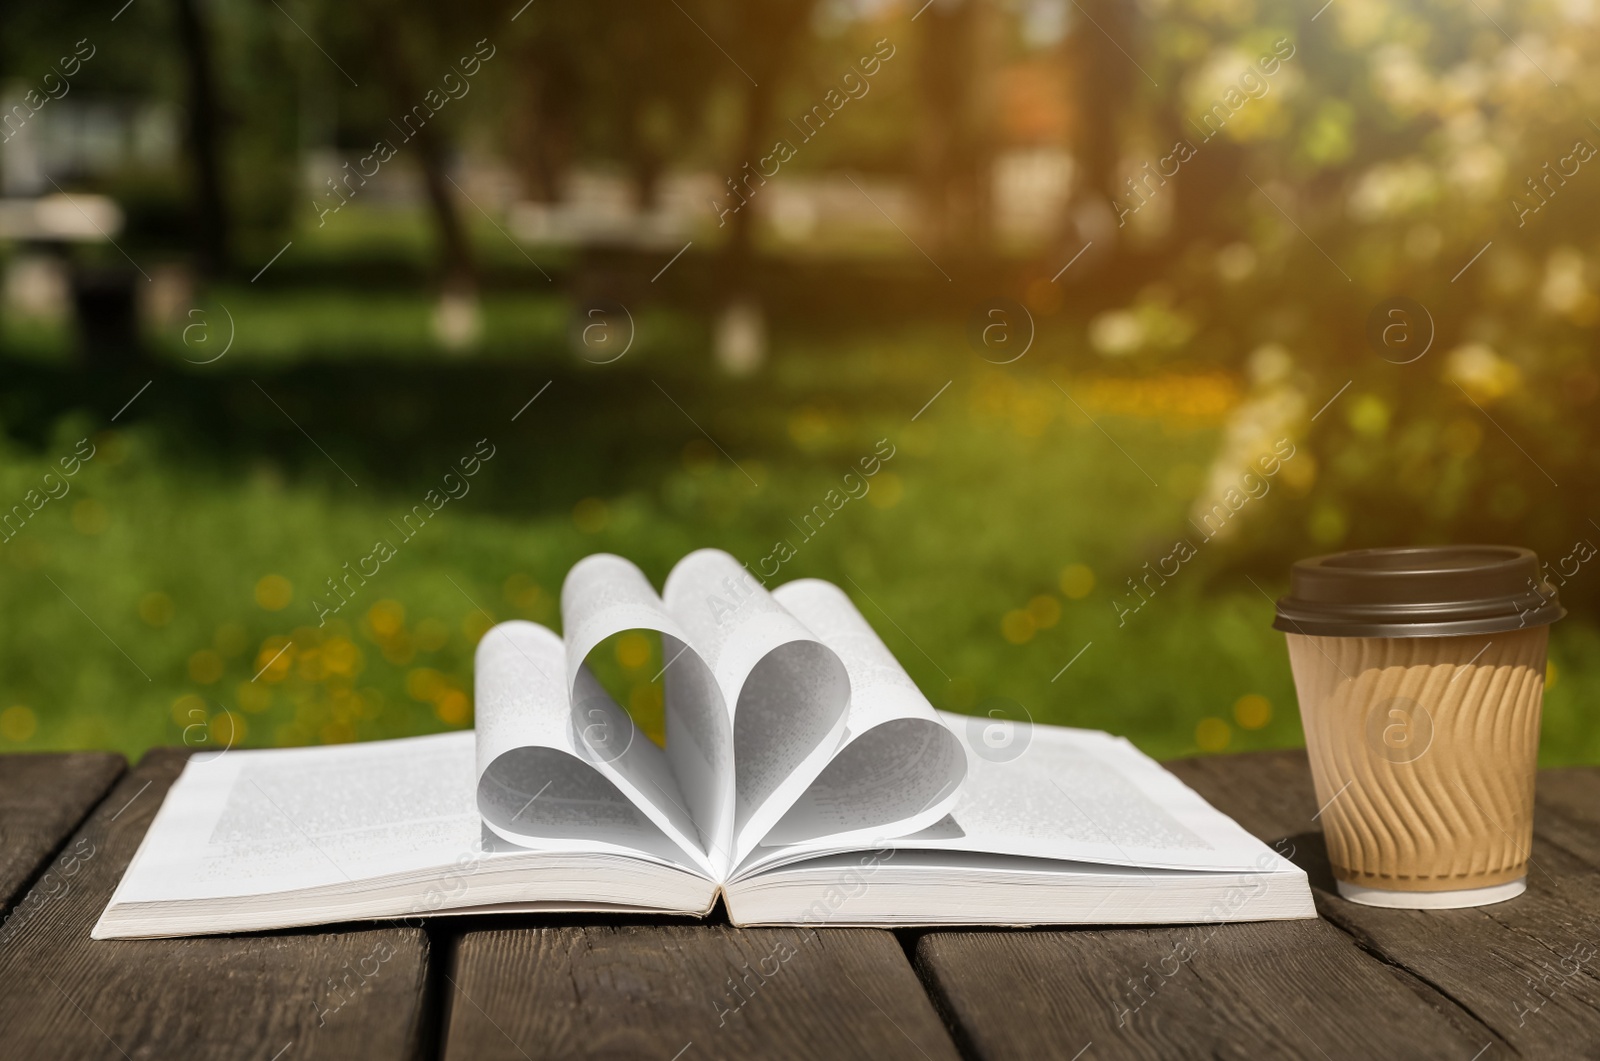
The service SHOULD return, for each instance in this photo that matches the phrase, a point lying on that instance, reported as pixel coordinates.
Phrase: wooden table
(1518, 979)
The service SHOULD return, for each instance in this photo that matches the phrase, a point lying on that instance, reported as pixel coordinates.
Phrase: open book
(804, 779)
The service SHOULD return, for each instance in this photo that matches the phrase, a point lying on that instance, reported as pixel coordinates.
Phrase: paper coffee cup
(1420, 675)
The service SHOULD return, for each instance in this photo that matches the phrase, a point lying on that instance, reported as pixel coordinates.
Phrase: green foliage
(987, 551)
(1361, 152)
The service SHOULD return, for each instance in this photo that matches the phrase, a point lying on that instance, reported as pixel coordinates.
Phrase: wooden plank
(1567, 811)
(1272, 989)
(1269, 793)
(1523, 973)
(687, 992)
(43, 797)
(1296, 989)
(291, 996)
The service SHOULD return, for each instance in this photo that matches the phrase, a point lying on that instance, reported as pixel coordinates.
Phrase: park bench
(1521, 979)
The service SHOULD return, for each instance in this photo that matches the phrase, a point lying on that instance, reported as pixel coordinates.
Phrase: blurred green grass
(151, 605)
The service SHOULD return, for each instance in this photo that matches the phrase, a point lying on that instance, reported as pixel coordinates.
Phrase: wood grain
(43, 797)
(1521, 977)
(1524, 973)
(1268, 793)
(692, 992)
(1286, 989)
(293, 996)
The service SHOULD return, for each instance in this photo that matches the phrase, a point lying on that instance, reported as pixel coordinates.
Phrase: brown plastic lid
(1421, 591)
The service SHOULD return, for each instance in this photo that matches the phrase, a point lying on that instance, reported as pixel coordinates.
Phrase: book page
(265, 839)
(1085, 796)
(889, 888)
(789, 692)
(567, 772)
(1072, 795)
(901, 768)
(255, 822)
(604, 595)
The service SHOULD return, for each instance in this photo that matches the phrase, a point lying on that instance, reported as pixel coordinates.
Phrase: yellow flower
(399, 649)
(386, 618)
(1212, 734)
(274, 593)
(646, 706)
(341, 656)
(227, 729)
(1252, 711)
(1077, 581)
(205, 666)
(17, 723)
(424, 684)
(633, 650)
(452, 708)
(312, 668)
(187, 710)
(1018, 627)
(1045, 611)
(274, 659)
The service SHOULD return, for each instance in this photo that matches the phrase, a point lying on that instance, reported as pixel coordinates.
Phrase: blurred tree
(607, 81)
(546, 91)
(412, 56)
(763, 42)
(658, 100)
(1101, 87)
(204, 140)
(956, 75)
